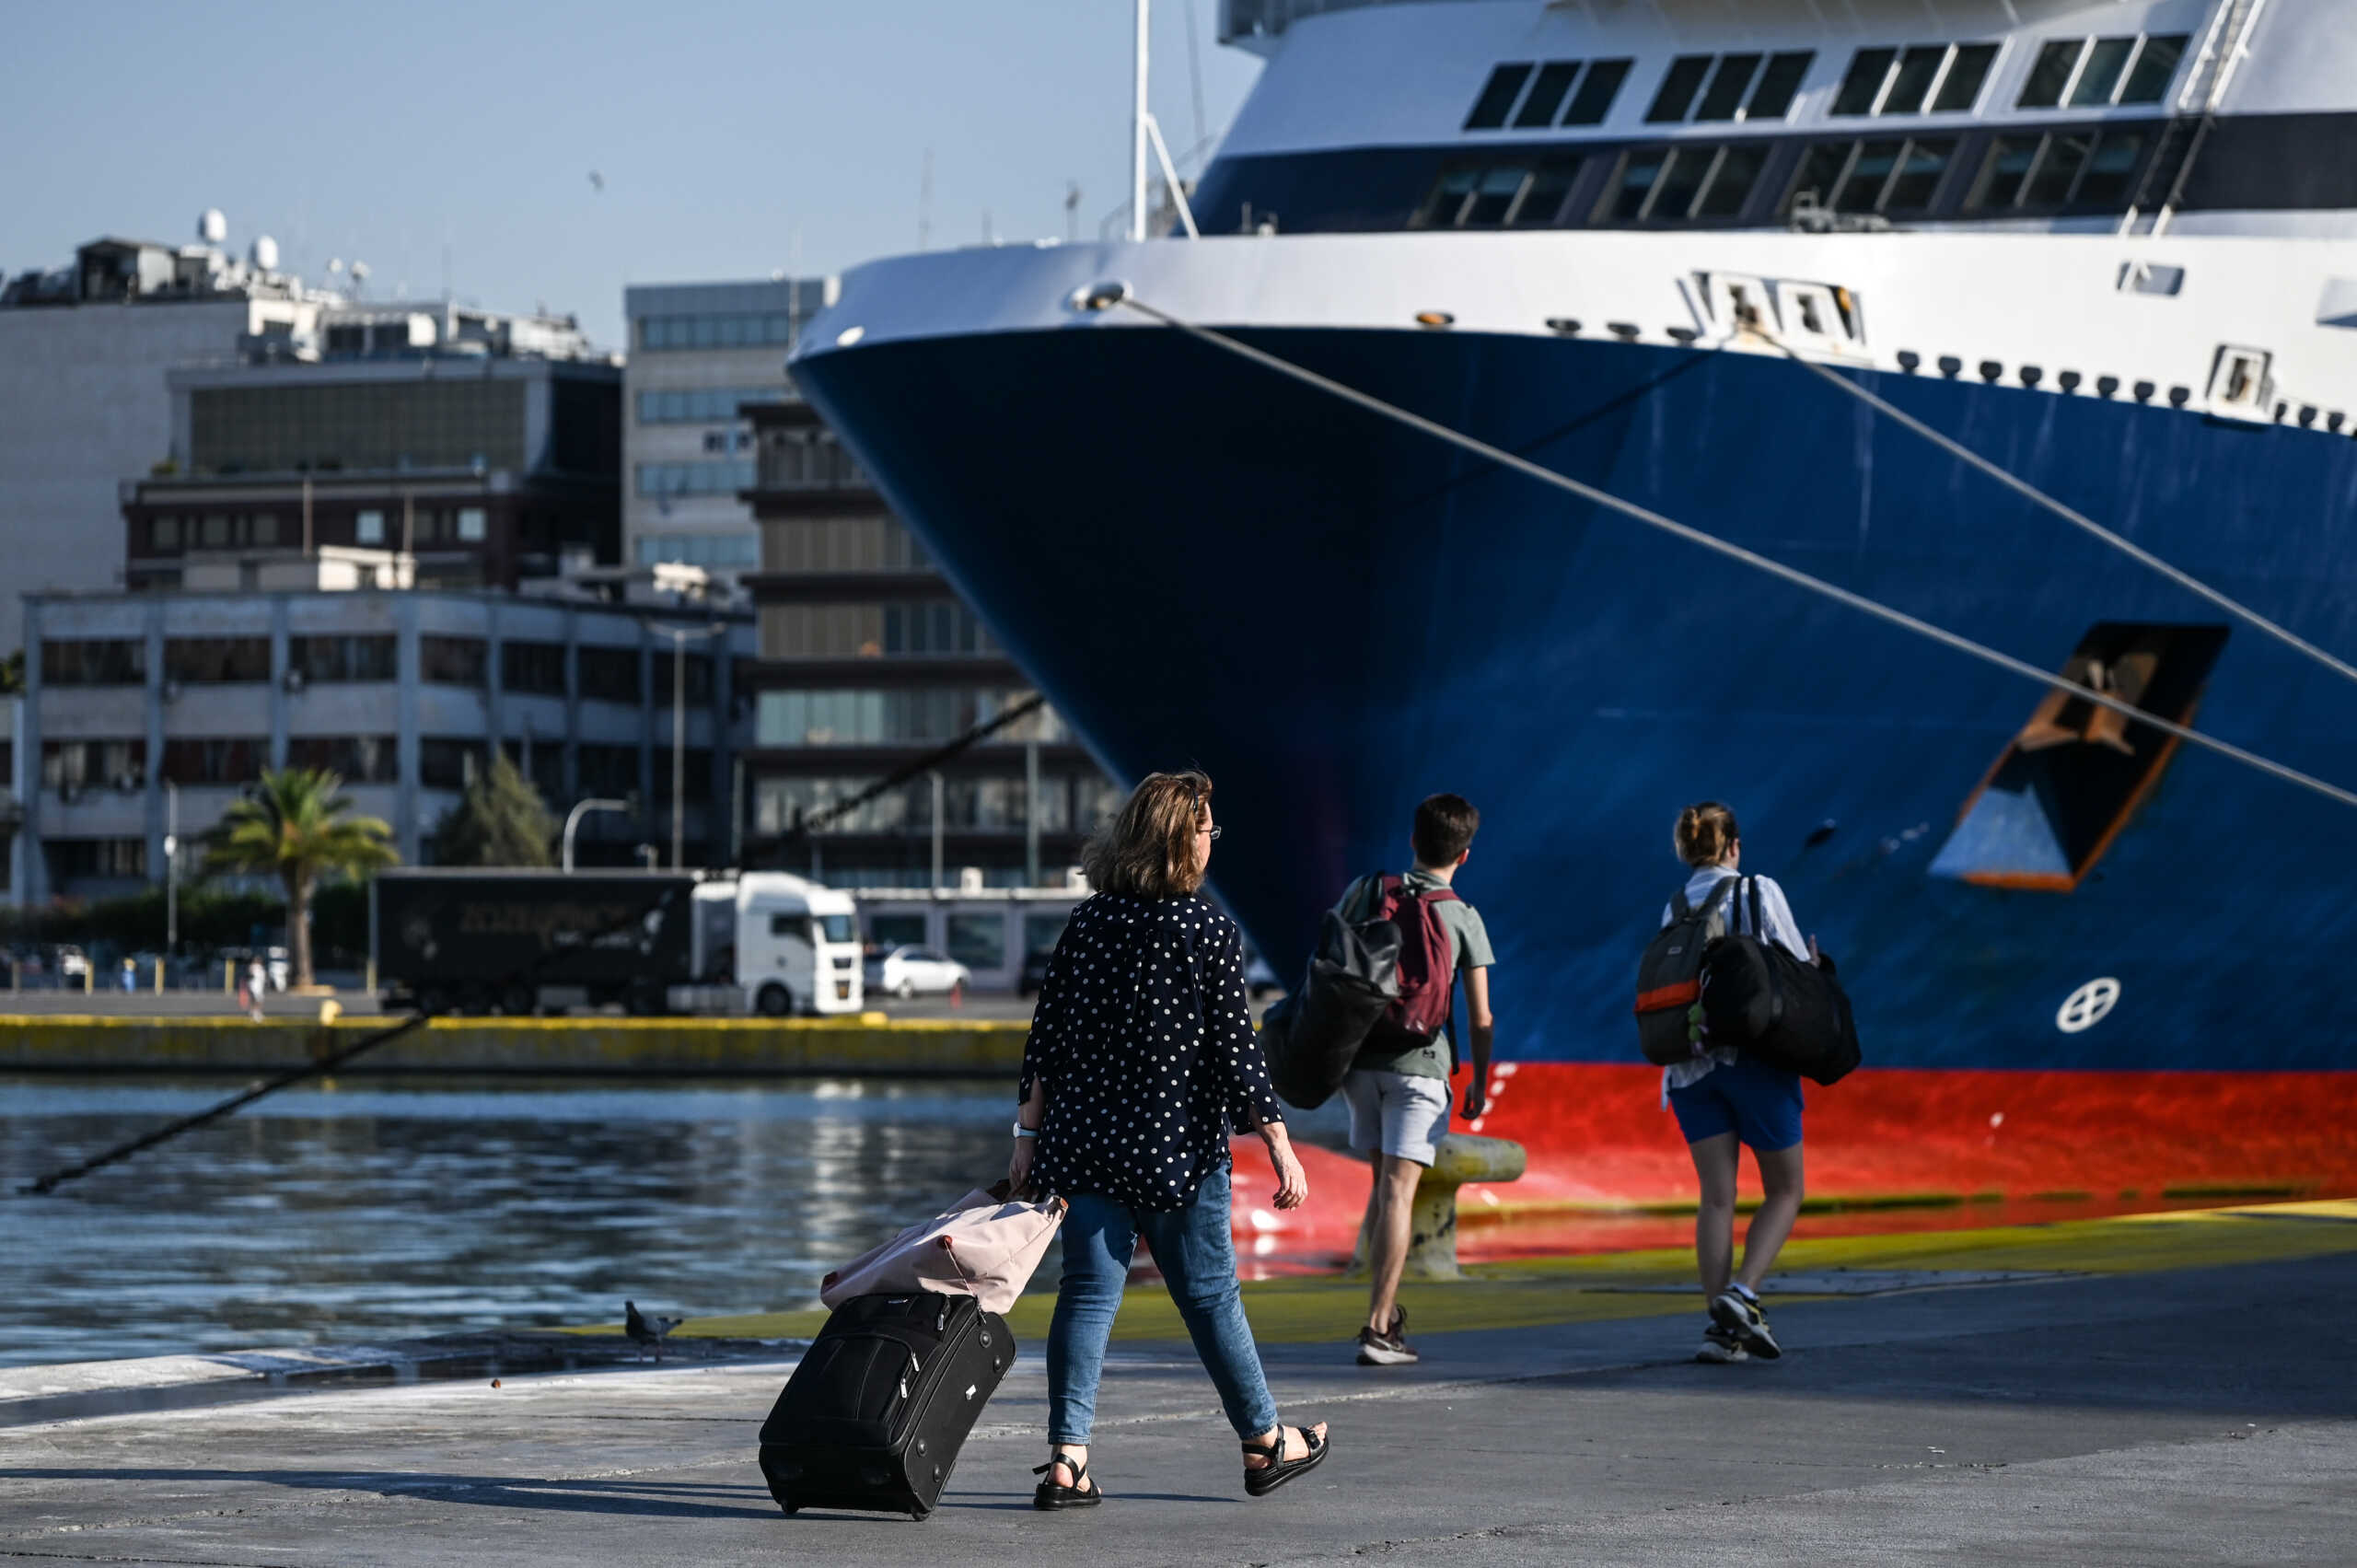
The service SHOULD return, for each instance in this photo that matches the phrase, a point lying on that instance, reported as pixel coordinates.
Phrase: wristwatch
(1022, 1132)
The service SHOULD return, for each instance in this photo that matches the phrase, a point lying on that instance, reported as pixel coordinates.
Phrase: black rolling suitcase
(874, 1416)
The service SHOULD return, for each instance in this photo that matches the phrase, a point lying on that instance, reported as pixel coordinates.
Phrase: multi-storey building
(699, 353)
(869, 660)
(129, 696)
(83, 405)
(13, 843)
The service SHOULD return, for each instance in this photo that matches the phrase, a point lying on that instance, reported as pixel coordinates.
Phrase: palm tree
(295, 824)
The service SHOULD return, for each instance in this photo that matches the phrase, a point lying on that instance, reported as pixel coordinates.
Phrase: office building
(129, 696)
(699, 353)
(11, 798)
(83, 403)
(869, 660)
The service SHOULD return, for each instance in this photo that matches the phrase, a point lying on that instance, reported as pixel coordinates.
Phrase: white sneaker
(1741, 1317)
(1719, 1348)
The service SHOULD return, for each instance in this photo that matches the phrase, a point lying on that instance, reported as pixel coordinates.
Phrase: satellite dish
(211, 226)
(335, 266)
(265, 252)
(359, 272)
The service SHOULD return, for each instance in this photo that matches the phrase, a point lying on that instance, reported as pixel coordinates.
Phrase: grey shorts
(1395, 1114)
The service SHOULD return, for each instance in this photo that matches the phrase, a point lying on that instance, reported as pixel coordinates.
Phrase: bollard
(90, 977)
(160, 977)
(1432, 1232)
(228, 977)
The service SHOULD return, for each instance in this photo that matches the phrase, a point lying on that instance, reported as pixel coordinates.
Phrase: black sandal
(1261, 1480)
(1052, 1494)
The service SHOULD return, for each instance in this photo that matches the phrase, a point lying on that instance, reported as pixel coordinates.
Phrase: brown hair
(1705, 834)
(1444, 827)
(1148, 849)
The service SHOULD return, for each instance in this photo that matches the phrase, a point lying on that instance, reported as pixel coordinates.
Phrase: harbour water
(343, 1214)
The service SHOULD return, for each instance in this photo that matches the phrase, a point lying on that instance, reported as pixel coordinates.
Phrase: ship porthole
(2085, 1007)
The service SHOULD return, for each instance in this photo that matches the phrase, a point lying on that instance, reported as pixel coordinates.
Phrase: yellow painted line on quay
(1546, 1291)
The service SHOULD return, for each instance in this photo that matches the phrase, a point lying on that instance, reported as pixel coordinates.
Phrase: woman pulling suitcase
(1725, 1101)
(1141, 1059)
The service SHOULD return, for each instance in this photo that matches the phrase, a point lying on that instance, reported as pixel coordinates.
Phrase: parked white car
(914, 971)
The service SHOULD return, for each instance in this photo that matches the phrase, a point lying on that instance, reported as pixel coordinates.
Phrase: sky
(734, 139)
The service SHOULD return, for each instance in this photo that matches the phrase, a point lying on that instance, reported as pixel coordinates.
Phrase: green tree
(296, 824)
(12, 673)
(499, 821)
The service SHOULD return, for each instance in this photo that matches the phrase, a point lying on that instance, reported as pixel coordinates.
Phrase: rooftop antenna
(1137, 126)
(925, 203)
(1195, 70)
(359, 278)
(1071, 209)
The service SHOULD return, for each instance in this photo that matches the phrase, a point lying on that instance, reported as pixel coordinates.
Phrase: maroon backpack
(1427, 966)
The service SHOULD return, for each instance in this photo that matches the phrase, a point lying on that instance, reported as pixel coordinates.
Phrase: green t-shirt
(1468, 939)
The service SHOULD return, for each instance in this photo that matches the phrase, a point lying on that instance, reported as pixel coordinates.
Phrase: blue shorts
(1758, 1104)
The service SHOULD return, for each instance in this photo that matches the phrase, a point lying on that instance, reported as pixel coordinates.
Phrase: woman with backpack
(1727, 1101)
(1141, 1061)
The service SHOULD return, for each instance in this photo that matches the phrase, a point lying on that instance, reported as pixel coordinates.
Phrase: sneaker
(1385, 1350)
(1741, 1317)
(1719, 1347)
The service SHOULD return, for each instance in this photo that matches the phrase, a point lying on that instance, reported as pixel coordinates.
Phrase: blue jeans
(1196, 1251)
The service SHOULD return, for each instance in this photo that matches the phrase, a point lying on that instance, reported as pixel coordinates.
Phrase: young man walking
(1399, 1085)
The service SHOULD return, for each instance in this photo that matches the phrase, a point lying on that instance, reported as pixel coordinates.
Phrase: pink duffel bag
(985, 1246)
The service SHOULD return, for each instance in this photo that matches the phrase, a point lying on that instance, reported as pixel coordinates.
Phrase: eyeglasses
(1211, 832)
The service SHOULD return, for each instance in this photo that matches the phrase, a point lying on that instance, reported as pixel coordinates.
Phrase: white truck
(781, 944)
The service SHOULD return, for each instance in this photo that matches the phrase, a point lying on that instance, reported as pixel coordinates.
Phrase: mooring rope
(1106, 296)
(2070, 515)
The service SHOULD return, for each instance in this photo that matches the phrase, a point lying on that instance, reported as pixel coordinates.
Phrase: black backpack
(1669, 977)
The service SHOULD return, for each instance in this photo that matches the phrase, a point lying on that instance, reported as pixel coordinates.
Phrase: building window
(723, 477)
(72, 859)
(808, 459)
(216, 761)
(696, 679)
(741, 549)
(451, 661)
(369, 527)
(609, 673)
(607, 771)
(542, 762)
(842, 544)
(890, 718)
(327, 659)
(705, 405)
(978, 939)
(203, 661)
(473, 525)
(2097, 72)
(115, 661)
(695, 766)
(164, 534)
(446, 762)
(716, 330)
(356, 759)
(536, 668)
(68, 766)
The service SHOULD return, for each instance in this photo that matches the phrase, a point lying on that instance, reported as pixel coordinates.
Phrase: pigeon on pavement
(645, 1332)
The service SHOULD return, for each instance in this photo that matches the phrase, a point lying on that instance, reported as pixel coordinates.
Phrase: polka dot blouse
(1144, 1041)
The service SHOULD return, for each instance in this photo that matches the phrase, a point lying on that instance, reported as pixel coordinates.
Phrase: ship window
(2051, 73)
(1547, 94)
(1869, 171)
(1863, 86)
(2058, 169)
(1731, 183)
(1960, 89)
(1678, 86)
(1917, 68)
(2097, 78)
(1680, 183)
(1630, 194)
(1919, 176)
(2110, 169)
(2008, 167)
(1497, 98)
(1493, 197)
(1773, 98)
(1597, 89)
(1445, 206)
(2156, 67)
(2066, 786)
(1819, 169)
(1542, 198)
(1728, 83)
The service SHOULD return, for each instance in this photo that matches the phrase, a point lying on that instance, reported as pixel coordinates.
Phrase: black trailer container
(475, 941)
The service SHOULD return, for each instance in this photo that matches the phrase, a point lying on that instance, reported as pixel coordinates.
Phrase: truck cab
(796, 946)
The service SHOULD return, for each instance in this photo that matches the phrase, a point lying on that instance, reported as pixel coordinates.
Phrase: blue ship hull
(1205, 564)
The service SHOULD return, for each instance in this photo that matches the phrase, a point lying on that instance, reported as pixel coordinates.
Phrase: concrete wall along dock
(593, 1046)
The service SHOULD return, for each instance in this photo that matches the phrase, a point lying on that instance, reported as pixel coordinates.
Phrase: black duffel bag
(1312, 1035)
(1778, 1009)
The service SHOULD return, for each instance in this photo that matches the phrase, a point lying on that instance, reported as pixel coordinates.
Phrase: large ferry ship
(2107, 246)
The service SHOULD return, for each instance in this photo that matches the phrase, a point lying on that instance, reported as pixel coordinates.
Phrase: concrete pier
(2167, 1388)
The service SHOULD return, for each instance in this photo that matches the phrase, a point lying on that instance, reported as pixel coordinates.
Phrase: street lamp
(573, 820)
(171, 868)
(679, 637)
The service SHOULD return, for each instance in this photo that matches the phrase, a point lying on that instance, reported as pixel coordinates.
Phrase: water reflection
(344, 1215)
